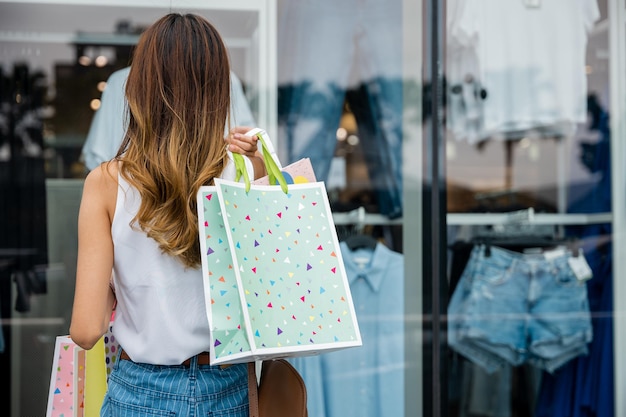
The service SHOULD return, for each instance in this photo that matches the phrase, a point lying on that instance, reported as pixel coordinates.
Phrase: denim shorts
(143, 390)
(510, 307)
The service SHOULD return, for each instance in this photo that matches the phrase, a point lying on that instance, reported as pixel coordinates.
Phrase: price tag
(580, 267)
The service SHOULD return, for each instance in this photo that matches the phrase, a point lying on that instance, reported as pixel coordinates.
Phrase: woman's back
(160, 316)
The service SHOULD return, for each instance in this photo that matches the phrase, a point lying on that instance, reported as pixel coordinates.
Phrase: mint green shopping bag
(275, 282)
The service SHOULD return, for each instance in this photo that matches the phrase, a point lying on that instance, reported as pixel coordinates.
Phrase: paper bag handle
(272, 168)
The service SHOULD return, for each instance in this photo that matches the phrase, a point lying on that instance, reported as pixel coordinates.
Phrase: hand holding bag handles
(272, 168)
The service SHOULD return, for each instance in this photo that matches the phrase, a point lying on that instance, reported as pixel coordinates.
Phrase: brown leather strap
(253, 394)
(204, 358)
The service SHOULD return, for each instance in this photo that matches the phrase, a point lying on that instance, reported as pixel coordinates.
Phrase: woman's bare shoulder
(104, 175)
(101, 185)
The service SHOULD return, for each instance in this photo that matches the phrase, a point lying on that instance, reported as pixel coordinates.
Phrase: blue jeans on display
(379, 121)
(328, 48)
(311, 131)
(514, 308)
(143, 390)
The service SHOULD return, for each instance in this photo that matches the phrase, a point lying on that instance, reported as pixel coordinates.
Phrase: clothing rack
(358, 228)
(359, 218)
(459, 219)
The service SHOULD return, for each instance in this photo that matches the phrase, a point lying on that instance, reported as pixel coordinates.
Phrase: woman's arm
(259, 166)
(93, 297)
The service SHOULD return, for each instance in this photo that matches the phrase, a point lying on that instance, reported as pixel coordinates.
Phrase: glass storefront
(530, 213)
(471, 153)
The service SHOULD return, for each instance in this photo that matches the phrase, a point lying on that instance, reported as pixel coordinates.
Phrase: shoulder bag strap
(253, 394)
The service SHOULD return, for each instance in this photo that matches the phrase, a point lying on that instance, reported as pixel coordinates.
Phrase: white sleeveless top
(160, 316)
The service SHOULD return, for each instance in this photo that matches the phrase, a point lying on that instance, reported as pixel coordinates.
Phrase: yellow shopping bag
(78, 379)
(95, 379)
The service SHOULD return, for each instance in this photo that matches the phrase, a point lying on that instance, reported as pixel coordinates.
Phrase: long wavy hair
(178, 93)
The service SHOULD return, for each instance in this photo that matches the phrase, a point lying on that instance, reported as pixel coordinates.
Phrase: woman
(138, 218)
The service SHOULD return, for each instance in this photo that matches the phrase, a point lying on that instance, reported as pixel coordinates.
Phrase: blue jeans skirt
(143, 390)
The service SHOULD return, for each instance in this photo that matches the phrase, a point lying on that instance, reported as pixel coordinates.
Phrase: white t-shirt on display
(465, 103)
(530, 58)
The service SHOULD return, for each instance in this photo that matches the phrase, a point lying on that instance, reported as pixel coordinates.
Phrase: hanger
(519, 233)
(360, 240)
(520, 243)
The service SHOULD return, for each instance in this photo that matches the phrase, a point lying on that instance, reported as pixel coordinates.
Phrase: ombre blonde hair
(178, 94)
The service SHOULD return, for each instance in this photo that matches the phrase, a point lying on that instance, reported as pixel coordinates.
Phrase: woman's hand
(238, 142)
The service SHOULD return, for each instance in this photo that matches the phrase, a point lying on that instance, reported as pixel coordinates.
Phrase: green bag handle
(271, 167)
